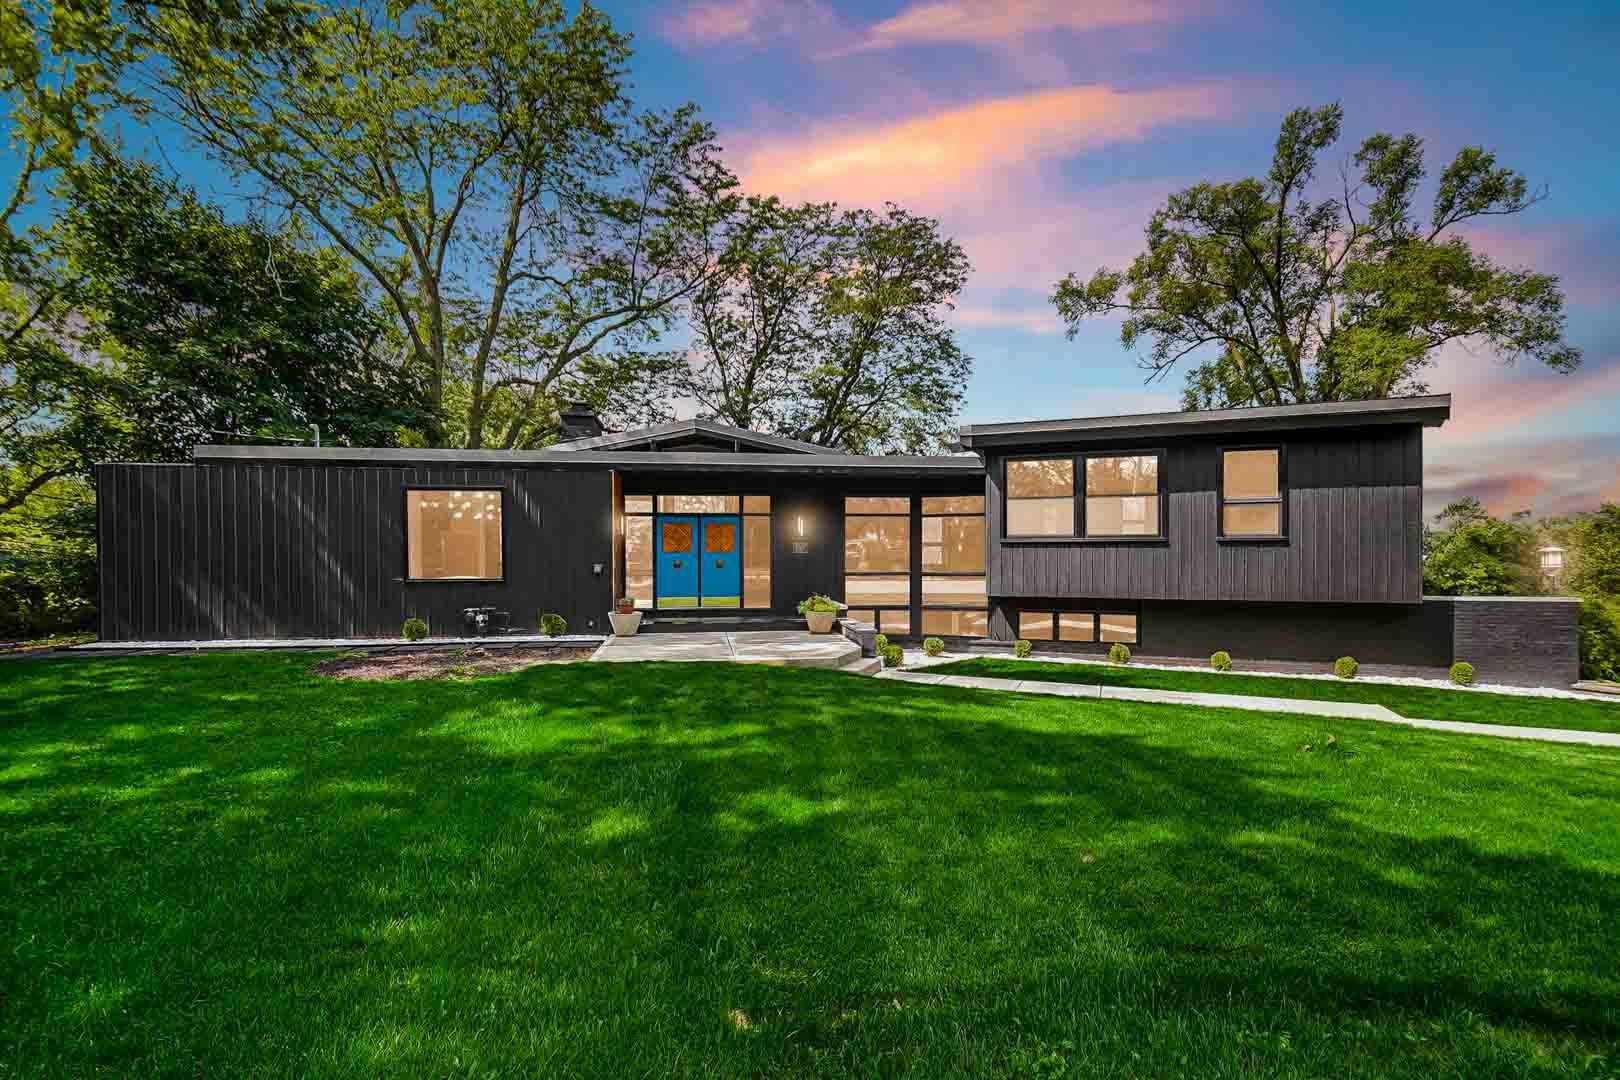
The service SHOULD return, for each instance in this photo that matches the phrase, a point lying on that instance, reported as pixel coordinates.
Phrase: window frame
(1096, 610)
(1280, 501)
(923, 573)
(405, 491)
(1077, 535)
(913, 542)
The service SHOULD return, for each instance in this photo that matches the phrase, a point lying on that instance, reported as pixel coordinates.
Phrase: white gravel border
(917, 660)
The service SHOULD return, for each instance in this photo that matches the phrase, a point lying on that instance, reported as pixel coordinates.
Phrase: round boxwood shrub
(1119, 654)
(892, 655)
(1345, 667)
(1221, 661)
(553, 625)
(933, 646)
(1462, 673)
(880, 642)
(414, 629)
(1022, 648)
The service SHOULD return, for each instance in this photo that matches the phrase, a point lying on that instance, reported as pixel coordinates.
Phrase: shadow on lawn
(588, 868)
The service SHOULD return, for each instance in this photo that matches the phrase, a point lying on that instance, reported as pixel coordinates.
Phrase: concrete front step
(787, 649)
(866, 665)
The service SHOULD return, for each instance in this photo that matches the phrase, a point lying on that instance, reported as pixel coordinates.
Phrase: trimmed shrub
(1462, 673)
(553, 625)
(1119, 654)
(1022, 648)
(880, 642)
(414, 629)
(892, 655)
(1345, 667)
(1221, 661)
(933, 646)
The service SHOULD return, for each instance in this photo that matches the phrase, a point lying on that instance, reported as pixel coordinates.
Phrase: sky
(1043, 133)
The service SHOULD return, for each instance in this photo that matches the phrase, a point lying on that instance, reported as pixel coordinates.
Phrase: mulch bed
(445, 663)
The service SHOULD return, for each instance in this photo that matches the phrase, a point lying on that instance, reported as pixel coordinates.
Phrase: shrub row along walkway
(1352, 710)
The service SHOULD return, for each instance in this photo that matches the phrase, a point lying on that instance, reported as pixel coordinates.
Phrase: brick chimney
(579, 421)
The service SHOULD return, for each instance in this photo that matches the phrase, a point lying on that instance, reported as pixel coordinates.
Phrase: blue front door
(722, 560)
(677, 575)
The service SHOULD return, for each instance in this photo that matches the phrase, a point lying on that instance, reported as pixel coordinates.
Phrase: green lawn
(1417, 702)
(225, 866)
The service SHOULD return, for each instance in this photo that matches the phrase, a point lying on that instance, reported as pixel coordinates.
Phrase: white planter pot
(625, 625)
(821, 622)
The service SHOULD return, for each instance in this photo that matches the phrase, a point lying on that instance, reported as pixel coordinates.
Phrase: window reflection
(453, 535)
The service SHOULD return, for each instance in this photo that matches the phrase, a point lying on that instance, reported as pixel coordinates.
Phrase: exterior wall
(1354, 524)
(1411, 636)
(191, 552)
(1528, 641)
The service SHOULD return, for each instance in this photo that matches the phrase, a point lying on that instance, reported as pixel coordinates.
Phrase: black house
(1290, 533)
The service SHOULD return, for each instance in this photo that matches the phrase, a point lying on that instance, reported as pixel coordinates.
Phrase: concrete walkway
(790, 648)
(1350, 710)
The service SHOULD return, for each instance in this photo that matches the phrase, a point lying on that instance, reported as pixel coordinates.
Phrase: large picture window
(453, 534)
(1251, 493)
(877, 561)
(953, 558)
(1095, 496)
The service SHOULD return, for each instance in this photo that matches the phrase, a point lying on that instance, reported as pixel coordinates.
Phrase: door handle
(719, 563)
(676, 563)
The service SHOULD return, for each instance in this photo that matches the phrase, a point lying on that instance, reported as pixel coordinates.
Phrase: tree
(1595, 539)
(184, 325)
(754, 328)
(1473, 553)
(1282, 297)
(478, 160)
(48, 561)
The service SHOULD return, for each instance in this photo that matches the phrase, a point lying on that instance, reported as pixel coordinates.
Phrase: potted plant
(625, 618)
(820, 612)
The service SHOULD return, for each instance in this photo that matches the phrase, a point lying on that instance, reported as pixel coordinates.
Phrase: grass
(1417, 702)
(226, 866)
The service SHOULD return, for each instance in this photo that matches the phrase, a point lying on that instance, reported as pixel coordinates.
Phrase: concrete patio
(788, 648)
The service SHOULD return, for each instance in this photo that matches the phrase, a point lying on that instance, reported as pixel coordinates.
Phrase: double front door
(699, 561)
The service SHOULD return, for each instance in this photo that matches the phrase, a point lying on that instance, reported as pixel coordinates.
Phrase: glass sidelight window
(877, 561)
(756, 551)
(953, 556)
(453, 535)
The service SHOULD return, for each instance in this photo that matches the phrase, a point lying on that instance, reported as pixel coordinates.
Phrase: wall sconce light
(800, 523)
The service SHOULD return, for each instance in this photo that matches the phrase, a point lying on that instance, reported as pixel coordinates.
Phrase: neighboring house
(1288, 533)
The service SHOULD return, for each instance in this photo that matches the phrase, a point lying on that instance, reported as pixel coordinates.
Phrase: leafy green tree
(1595, 539)
(48, 561)
(1473, 553)
(1280, 296)
(754, 328)
(480, 162)
(888, 373)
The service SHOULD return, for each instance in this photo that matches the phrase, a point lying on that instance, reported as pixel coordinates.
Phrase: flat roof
(1430, 411)
(624, 460)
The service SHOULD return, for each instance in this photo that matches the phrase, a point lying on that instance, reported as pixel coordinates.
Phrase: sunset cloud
(973, 149)
(716, 21)
(981, 22)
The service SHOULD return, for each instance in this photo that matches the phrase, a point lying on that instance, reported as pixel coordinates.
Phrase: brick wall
(1528, 641)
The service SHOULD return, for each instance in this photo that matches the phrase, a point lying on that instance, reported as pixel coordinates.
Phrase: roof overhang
(1430, 411)
(681, 430)
(623, 461)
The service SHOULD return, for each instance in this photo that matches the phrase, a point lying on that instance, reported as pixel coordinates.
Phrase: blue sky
(1042, 133)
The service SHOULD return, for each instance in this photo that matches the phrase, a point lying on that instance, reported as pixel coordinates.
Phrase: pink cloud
(969, 151)
(981, 22)
(746, 20)
(1545, 476)
(1490, 400)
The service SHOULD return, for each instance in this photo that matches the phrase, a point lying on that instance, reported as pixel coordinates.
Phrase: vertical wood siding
(258, 551)
(1354, 530)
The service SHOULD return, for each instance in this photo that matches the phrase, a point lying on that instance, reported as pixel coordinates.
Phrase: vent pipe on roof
(578, 421)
